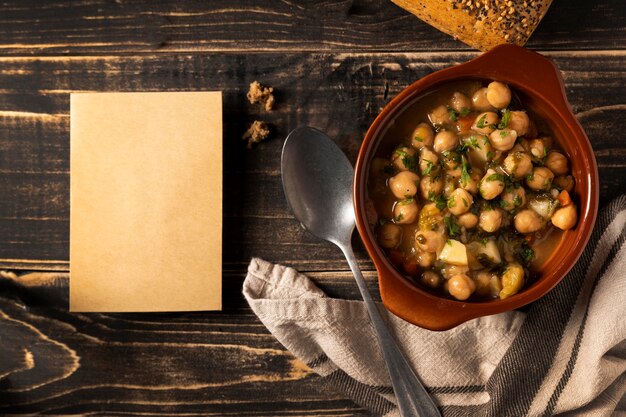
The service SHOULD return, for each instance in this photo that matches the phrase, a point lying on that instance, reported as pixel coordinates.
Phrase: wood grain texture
(338, 93)
(334, 65)
(119, 26)
(158, 364)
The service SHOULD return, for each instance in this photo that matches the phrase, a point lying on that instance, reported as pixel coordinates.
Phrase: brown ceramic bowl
(539, 81)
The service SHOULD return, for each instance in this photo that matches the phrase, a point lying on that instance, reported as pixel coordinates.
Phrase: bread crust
(481, 24)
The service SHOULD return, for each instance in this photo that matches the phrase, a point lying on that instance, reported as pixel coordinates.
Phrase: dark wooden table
(334, 65)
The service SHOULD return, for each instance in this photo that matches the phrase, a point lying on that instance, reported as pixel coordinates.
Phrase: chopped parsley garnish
(484, 241)
(451, 202)
(465, 202)
(525, 253)
(406, 201)
(491, 154)
(429, 167)
(482, 122)
(517, 201)
(495, 177)
(464, 111)
(418, 139)
(504, 133)
(398, 218)
(473, 141)
(453, 115)
(462, 148)
(382, 221)
(409, 161)
(440, 202)
(453, 228)
(449, 242)
(506, 117)
(465, 170)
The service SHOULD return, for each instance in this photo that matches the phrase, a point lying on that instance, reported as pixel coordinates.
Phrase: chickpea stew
(470, 193)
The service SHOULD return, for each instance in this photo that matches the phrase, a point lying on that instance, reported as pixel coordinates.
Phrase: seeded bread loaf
(481, 24)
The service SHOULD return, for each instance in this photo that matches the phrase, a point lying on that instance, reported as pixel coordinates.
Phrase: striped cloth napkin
(565, 356)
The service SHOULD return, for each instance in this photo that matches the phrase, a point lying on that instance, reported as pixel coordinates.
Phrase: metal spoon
(317, 180)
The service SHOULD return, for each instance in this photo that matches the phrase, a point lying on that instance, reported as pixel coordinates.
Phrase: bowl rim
(553, 97)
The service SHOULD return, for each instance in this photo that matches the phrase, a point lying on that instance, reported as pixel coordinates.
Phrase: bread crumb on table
(257, 132)
(262, 95)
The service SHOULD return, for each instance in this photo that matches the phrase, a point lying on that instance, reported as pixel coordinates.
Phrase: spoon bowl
(324, 207)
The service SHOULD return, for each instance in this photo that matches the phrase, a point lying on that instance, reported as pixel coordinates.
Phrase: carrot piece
(464, 124)
(564, 198)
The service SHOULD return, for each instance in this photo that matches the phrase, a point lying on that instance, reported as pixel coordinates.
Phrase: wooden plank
(339, 93)
(102, 27)
(197, 363)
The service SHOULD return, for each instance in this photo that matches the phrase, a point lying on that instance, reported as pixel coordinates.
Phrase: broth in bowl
(470, 191)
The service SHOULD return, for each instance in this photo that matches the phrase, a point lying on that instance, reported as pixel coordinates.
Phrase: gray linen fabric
(565, 356)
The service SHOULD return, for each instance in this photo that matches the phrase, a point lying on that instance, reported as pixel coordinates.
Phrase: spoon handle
(413, 400)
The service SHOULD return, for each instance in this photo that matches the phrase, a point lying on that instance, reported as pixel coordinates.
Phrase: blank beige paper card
(146, 202)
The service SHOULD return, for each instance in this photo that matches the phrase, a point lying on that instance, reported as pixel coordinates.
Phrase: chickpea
(485, 122)
(454, 174)
(565, 218)
(518, 164)
(423, 135)
(512, 280)
(431, 186)
(498, 94)
(540, 179)
(467, 220)
(440, 116)
(449, 185)
(405, 211)
(490, 220)
(491, 185)
(460, 103)
(528, 221)
(460, 202)
(538, 148)
(471, 185)
(428, 161)
(503, 139)
(519, 122)
(426, 259)
(404, 184)
(557, 163)
(513, 199)
(451, 160)
(564, 182)
(403, 158)
(430, 279)
(517, 147)
(487, 284)
(429, 241)
(461, 287)
(445, 141)
(479, 100)
(448, 271)
(389, 235)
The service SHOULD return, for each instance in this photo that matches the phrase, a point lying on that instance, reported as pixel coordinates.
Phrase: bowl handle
(521, 66)
(431, 312)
